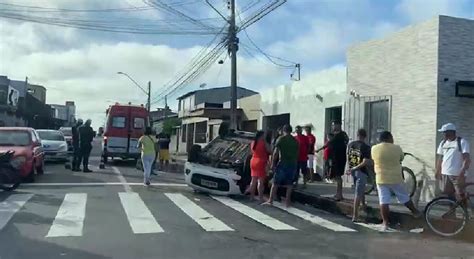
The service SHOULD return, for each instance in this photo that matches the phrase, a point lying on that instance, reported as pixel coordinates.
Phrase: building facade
(406, 83)
(201, 112)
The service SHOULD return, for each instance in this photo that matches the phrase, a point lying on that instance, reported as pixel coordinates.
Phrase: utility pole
(233, 45)
(148, 105)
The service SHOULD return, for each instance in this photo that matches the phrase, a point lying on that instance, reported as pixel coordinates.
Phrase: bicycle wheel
(445, 216)
(409, 180)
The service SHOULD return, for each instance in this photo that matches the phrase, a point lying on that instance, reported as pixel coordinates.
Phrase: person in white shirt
(453, 162)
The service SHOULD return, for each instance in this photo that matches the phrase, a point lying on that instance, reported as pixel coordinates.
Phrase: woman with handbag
(147, 144)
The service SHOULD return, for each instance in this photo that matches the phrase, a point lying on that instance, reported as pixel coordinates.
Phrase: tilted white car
(222, 167)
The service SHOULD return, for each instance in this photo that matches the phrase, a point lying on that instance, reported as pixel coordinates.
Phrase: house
(65, 112)
(201, 113)
(411, 83)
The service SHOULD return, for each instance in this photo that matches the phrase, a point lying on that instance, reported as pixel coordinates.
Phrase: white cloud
(420, 10)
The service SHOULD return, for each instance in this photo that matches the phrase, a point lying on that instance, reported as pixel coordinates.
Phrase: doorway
(273, 122)
(331, 114)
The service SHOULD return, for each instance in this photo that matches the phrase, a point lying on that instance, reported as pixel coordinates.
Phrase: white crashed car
(222, 167)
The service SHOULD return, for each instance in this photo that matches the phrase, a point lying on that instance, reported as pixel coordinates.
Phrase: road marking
(254, 214)
(70, 218)
(122, 179)
(139, 216)
(314, 219)
(198, 214)
(10, 206)
(102, 184)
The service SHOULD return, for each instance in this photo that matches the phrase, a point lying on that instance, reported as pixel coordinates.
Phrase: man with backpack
(453, 162)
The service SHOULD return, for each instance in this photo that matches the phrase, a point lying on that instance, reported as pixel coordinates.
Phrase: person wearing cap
(453, 162)
(75, 144)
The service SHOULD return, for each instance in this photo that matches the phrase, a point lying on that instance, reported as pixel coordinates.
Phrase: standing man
(358, 160)
(284, 159)
(303, 148)
(164, 153)
(311, 158)
(338, 145)
(86, 136)
(387, 165)
(76, 156)
(453, 162)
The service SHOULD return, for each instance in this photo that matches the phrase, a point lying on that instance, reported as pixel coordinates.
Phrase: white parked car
(54, 145)
(222, 167)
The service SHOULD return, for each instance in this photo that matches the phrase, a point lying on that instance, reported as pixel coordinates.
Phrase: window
(118, 122)
(51, 135)
(183, 133)
(14, 138)
(201, 132)
(138, 123)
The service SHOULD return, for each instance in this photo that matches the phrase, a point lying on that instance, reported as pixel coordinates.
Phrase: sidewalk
(321, 194)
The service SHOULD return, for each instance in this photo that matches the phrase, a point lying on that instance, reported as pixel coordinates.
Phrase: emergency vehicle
(124, 125)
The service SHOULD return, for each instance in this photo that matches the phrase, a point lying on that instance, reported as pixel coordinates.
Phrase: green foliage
(170, 124)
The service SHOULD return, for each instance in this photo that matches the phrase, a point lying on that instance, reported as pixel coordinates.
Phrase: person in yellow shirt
(387, 159)
(147, 144)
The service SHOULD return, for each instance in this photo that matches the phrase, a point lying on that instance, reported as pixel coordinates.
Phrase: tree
(170, 124)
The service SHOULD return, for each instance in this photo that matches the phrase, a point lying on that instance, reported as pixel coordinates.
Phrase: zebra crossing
(69, 219)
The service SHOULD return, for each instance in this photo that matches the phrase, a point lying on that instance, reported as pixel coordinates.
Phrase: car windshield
(66, 131)
(14, 138)
(51, 135)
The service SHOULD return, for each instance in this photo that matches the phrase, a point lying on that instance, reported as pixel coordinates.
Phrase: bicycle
(447, 216)
(408, 176)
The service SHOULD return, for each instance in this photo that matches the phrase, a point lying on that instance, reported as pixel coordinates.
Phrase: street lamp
(148, 93)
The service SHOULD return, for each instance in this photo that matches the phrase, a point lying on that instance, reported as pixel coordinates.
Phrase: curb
(371, 215)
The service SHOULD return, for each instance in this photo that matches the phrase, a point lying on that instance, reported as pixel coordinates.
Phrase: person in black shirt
(338, 147)
(76, 159)
(86, 136)
(358, 160)
(164, 154)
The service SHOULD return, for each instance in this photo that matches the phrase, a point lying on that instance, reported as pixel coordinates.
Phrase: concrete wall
(299, 99)
(456, 63)
(11, 120)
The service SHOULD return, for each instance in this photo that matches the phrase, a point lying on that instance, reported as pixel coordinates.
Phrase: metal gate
(373, 113)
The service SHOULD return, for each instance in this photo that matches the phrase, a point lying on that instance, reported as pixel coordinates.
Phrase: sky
(82, 65)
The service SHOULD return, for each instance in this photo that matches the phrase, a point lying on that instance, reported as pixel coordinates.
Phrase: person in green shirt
(285, 159)
(147, 144)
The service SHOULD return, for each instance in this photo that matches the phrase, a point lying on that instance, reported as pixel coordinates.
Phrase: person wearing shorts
(453, 162)
(285, 158)
(311, 158)
(387, 159)
(164, 153)
(358, 159)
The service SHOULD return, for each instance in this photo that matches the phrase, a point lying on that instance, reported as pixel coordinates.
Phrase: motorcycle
(9, 175)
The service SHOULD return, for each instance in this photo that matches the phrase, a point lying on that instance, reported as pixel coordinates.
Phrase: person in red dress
(261, 151)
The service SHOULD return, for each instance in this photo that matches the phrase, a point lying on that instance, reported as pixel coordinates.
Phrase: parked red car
(29, 154)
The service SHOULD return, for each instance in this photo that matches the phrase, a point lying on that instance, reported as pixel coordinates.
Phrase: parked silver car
(54, 145)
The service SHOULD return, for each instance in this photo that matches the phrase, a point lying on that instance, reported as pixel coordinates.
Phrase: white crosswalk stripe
(254, 214)
(314, 219)
(69, 220)
(10, 206)
(198, 214)
(139, 216)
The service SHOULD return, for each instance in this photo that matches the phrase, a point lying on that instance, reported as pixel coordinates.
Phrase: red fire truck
(125, 124)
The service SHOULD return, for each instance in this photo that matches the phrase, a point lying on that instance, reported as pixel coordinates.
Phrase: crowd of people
(291, 154)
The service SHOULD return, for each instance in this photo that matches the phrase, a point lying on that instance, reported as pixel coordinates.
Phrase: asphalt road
(110, 214)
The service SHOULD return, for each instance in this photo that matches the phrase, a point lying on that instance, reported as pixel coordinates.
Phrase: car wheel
(40, 169)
